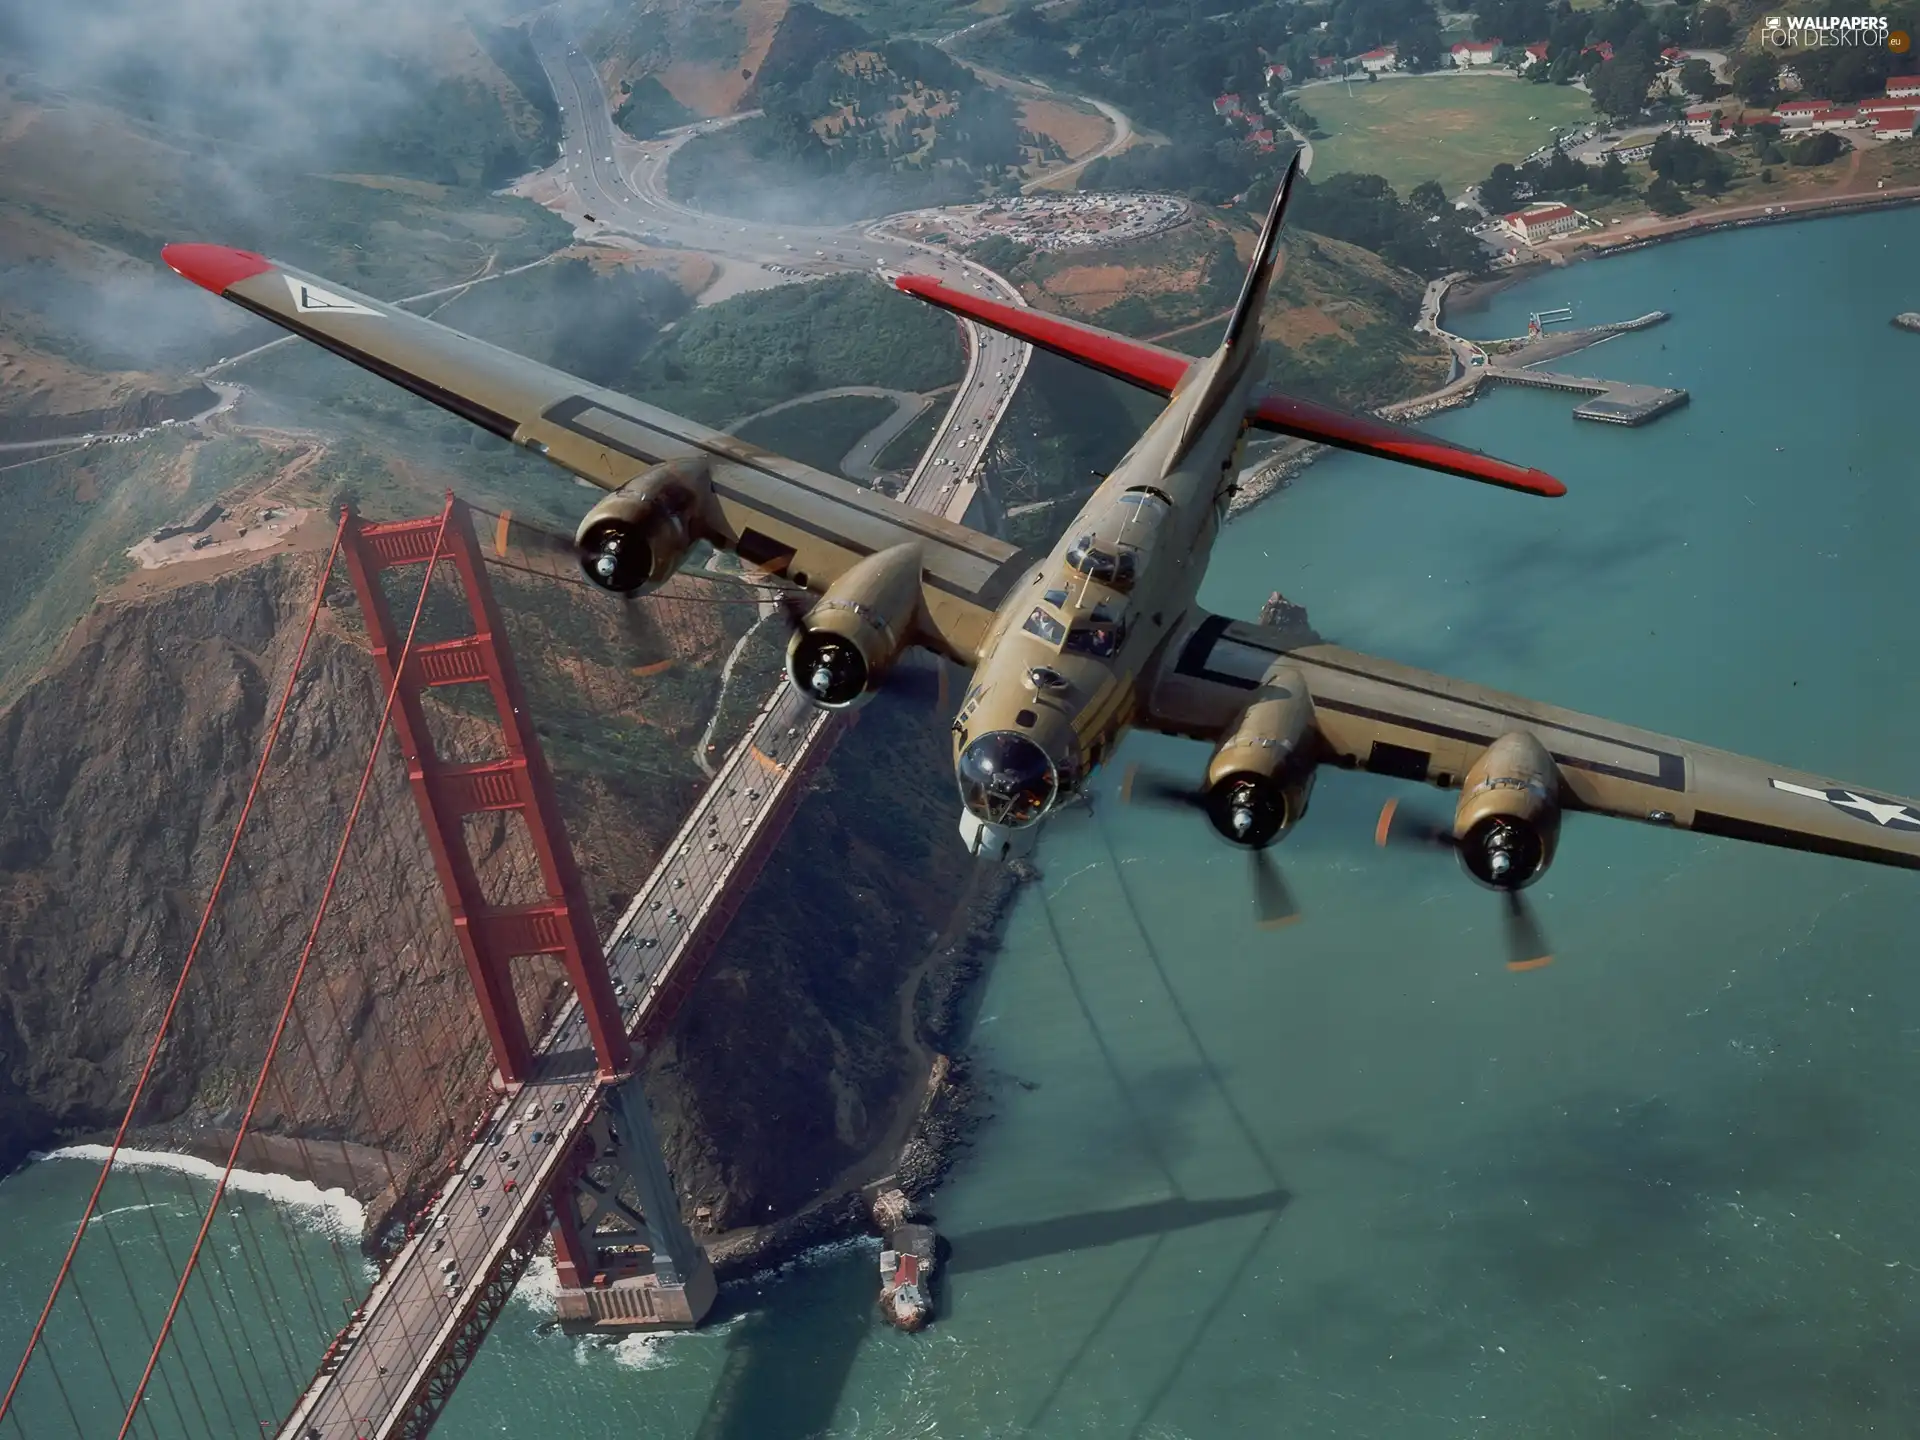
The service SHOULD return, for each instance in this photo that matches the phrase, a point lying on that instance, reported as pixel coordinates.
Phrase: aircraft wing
(781, 515)
(1152, 368)
(1394, 720)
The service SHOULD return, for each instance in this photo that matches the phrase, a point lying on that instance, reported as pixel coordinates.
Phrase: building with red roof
(1908, 85)
(1541, 222)
(1537, 53)
(1800, 112)
(1325, 64)
(1226, 105)
(1376, 61)
(1838, 118)
(1895, 124)
(1604, 49)
(1469, 53)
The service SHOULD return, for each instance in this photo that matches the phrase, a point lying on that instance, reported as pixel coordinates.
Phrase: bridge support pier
(626, 1259)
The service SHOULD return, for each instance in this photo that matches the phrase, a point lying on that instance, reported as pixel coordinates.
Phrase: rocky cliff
(123, 770)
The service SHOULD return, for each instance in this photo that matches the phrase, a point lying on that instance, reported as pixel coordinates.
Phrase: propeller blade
(1273, 902)
(1527, 947)
(1410, 828)
(531, 540)
(1148, 787)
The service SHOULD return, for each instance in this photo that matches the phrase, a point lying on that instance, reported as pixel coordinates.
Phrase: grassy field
(819, 434)
(1450, 128)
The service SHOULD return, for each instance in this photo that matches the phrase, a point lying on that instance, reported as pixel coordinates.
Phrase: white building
(1908, 85)
(1541, 222)
(1471, 53)
(1376, 62)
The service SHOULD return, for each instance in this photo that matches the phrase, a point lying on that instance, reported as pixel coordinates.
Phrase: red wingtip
(214, 267)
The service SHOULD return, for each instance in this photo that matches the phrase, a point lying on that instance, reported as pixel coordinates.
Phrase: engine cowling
(638, 536)
(1508, 821)
(1261, 776)
(856, 629)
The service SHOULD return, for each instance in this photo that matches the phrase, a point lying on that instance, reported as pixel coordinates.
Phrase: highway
(621, 182)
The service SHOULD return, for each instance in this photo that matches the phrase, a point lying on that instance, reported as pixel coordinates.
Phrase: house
(1905, 85)
(1376, 62)
(1540, 222)
(1837, 118)
(1536, 54)
(1671, 56)
(1471, 53)
(1604, 50)
(1227, 105)
(1262, 139)
(1700, 120)
(1886, 102)
(1277, 74)
(1801, 112)
(1895, 124)
(1325, 64)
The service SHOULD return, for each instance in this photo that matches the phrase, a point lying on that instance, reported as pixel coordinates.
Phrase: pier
(1615, 402)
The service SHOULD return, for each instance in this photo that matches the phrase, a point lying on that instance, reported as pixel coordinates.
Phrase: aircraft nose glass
(1006, 779)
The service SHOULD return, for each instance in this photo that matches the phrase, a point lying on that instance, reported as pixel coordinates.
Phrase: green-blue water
(1354, 1178)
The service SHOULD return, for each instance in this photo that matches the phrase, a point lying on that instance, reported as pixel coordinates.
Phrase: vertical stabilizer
(1229, 364)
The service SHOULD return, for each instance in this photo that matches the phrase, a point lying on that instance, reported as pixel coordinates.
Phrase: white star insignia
(1881, 812)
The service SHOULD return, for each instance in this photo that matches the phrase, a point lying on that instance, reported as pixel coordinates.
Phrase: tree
(1496, 191)
(1619, 86)
(1696, 78)
(1755, 79)
(1820, 149)
(1610, 178)
(1428, 198)
(1665, 197)
(1712, 26)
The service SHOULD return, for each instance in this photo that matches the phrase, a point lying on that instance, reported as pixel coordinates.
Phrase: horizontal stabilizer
(1134, 361)
(1159, 370)
(1366, 435)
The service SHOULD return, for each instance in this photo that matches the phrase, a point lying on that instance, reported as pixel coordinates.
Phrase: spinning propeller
(1526, 944)
(1231, 813)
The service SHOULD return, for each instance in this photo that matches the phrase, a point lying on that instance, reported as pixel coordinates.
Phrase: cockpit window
(1100, 639)
(1102, 565)
(1006, 779)
(1045, 626)
(1056, 598)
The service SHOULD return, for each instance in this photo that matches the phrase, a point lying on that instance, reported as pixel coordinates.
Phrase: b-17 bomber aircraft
(1071, 649)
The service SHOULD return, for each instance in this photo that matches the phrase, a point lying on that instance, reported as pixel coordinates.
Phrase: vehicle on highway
(1111, 611)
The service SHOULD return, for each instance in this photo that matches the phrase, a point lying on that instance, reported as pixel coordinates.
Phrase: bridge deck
(412, 1339)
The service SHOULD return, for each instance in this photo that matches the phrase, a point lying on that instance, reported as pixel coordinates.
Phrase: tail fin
(1219, 374)
(1243, 329)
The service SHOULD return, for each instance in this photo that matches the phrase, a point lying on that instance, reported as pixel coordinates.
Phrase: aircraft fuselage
(1058, 681)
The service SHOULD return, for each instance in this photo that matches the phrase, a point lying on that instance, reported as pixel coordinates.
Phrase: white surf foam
(326, 1210)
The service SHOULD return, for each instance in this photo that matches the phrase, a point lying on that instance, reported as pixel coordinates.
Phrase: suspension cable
(186, 968)
(300, 970)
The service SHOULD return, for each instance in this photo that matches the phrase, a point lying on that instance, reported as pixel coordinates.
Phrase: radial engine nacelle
(638, 536)
(1261, 776)
(1508, 820)
(859, 626)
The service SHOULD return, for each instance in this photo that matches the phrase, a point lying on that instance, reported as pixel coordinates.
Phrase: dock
(1616, 402)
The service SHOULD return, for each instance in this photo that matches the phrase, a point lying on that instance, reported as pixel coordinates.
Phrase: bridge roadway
(411, 1340)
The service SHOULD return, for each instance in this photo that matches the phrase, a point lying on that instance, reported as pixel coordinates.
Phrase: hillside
(375, 168)
(787, 1065)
